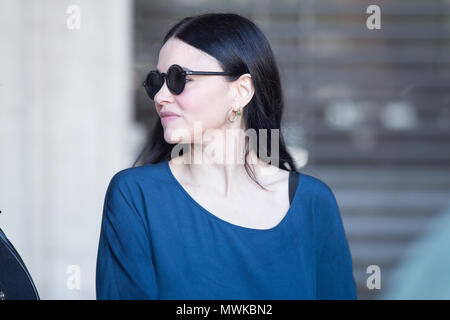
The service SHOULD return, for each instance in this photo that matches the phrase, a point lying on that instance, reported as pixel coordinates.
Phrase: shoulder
(130, 189)
(315, 187)
(322, 201)
(134, 182)
(150, 174)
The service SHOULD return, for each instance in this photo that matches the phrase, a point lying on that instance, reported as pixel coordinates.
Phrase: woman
(183, 228)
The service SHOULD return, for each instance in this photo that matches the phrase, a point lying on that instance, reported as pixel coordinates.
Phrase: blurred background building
(367, 111)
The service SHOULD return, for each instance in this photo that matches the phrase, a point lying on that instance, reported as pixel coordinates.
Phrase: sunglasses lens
(153, 83)
(176, 79)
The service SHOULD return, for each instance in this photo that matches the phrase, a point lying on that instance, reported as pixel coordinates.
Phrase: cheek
(204, 107)
(188, 103)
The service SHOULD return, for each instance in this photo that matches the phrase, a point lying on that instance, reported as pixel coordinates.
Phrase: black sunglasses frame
(173, 87)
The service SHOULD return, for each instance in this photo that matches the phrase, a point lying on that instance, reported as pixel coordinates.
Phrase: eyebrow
(185, 68)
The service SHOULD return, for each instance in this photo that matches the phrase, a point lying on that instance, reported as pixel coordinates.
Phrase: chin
(175, 135)
(170, 139)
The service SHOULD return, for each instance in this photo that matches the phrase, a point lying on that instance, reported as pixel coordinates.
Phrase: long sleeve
(335, 279)
(125, 267)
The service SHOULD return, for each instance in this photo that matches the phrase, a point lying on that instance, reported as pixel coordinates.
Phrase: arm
(335, 279)
(124, 260)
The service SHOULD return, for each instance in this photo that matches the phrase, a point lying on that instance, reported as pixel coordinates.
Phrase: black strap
(293, 182)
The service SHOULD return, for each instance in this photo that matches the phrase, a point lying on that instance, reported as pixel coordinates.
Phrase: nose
(164, 93)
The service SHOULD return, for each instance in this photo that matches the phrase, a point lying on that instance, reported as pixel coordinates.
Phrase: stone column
(65, 128)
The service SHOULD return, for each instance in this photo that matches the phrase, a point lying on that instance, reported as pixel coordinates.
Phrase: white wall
(65, 129)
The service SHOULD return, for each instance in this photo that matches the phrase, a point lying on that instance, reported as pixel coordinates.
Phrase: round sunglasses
(175, 77)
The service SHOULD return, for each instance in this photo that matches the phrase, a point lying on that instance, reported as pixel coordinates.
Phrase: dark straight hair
(240, 47)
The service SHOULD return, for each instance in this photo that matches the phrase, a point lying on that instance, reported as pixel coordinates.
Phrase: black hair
(240, 47)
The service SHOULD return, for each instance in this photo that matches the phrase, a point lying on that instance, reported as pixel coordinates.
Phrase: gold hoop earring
(237, 113)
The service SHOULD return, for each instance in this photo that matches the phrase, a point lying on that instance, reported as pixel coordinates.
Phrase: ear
(245, 89)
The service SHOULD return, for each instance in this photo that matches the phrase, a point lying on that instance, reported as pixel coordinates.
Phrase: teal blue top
(157, 242)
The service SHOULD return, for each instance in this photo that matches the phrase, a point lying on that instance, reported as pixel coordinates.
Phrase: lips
(168, 114)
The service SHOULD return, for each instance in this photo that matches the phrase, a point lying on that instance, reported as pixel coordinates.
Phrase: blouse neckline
(286, 218)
